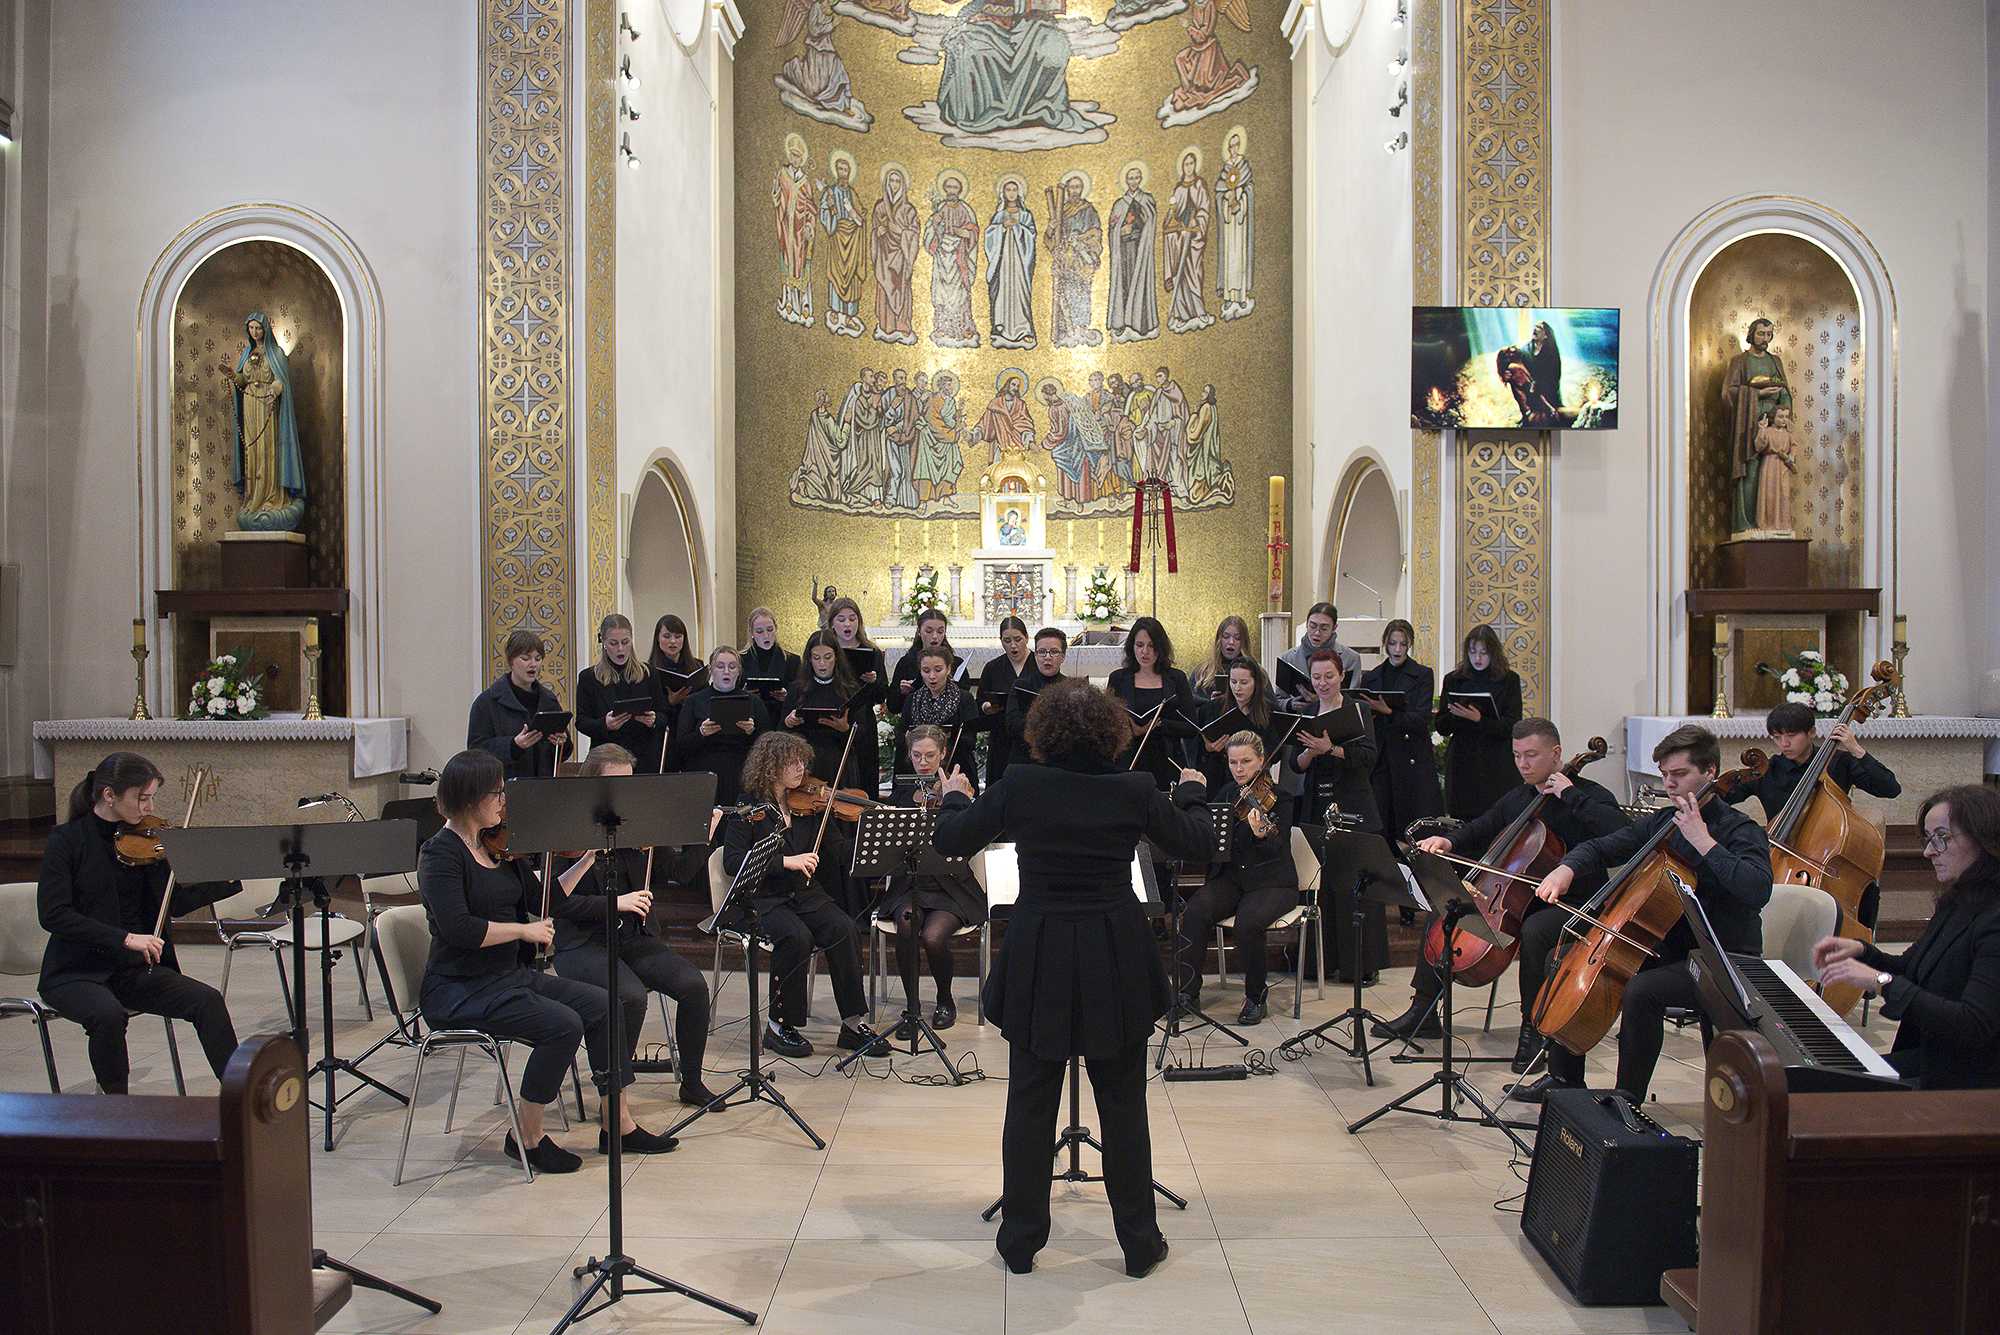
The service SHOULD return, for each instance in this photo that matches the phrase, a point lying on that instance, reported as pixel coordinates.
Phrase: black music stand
(1441, 884)
(741, 903)
(896, 841)
(1184, 1012)
(1451, 1082)
(1362, 860)
(591, 811)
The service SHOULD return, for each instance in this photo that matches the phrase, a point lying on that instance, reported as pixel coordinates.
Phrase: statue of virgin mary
(266, 467)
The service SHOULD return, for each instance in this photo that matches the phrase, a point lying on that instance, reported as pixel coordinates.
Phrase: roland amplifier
(1611, 1197)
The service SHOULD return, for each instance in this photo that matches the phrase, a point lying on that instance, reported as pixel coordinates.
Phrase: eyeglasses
(1939, 840)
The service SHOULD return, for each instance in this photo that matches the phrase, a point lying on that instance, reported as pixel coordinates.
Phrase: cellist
(1581, 811)
(1731, 856)
(1794, 734)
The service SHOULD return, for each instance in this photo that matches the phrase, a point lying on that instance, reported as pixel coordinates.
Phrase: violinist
(1258, 883)
(764, 659)
(1247, 690)
(1579, 811)
(704, 743)
(864, 660)
(795, 913)
(938, 703)
(604, 688)
(645, 962)
(996, 688)
(1795, 735)
(502, 722)
(1732, 861)
(825, 683)
(931, 911)
(1337, 773)
(1148, 680)
(1406, 774)
(1051, 648)
(1946, 988)
(485, 925)
(1479, 704)
(106, 956)
(672, 653)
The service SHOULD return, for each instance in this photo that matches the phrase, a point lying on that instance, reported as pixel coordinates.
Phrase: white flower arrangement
(926, 595)
(1810, 682)
(224, 690)
(1102, 599)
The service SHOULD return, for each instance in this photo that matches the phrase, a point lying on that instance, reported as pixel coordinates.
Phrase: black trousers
(1027, 1142)
(1539, 933)
(1642, 1026)
(646, 965)
(549, 1013)
(795, 927)
(101, 1008)
(1255, 911)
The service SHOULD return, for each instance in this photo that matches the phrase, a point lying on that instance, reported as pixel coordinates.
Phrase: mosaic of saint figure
(1206, 73)
(817, 478)
(1235, 230)
(816, 74)
(860, 427)
(797, 213)
(1106, 402)
(1006, 425)
(841, 216)
(1165, 431)
(894, 234)
(1207, 473)
(1006, 64)
(951, 238)
(939, 460)
(1133, 310)
(1010, 268)
(900, 414)
(1075, 442)
(1076, 252)
(1185, 249)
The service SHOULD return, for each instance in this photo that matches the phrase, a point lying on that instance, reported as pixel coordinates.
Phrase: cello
(1504, 887)
(1819, 839)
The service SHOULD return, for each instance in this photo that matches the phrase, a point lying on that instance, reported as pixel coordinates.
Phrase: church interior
(342, 348)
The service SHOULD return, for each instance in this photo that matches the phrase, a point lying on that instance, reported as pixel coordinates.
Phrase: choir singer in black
(1079, 973)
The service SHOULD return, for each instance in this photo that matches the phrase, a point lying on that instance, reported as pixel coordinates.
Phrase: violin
(493, 840)
(1504, 888)
(928, 794)
(139, 845)
(1260, 793)
(815, 797)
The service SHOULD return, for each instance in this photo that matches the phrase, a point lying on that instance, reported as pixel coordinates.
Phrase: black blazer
(1479, 763)
(1079, 971)
(461, 897)
(1345, 779)
(1585, 811)
(1946, 991)
(86, 917)
(721, 755)
(1256, 864)
(1169, 746)
(498, 717)
(594, 700)
(999, 675)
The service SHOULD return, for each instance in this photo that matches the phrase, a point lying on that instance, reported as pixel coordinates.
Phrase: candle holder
(139, 714)
(312, 682)
(1721, 709)
(1902, 709)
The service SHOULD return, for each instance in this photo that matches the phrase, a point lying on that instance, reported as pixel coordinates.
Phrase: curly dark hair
(1072, 716)
(764, 767)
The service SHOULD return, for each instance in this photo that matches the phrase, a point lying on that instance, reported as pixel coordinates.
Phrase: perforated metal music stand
(896, 841)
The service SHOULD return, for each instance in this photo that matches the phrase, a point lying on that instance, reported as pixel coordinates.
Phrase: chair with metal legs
(1305, 917)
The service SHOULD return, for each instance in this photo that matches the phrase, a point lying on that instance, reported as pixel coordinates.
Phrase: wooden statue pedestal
(1761, 563)
(255, 560)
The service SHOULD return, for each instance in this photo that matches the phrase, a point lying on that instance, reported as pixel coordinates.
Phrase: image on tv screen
(1514, 367)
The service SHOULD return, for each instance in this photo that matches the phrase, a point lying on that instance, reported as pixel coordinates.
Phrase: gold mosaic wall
(1427, 193)
(1503, 146)
(600, 295)
(527, 220)
(1146, 85)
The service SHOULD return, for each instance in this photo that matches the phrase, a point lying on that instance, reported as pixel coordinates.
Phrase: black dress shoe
(1253, 1011)
(946, 1014)
(860, 1038)
(697, 1095)
(637, 1141)
(1419, 1021)
(1526, 1048)
(786, 1042)
(1140, 1267)
(545, 1157)
(1534, 1093)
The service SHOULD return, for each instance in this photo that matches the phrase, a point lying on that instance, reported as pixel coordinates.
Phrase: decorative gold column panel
(600, 304)
(524, 199)
(1503, 574)
(1504, 205)
(1427, 194)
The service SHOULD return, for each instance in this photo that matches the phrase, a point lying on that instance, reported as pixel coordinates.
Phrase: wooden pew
(1868, 1212)
(166, 1215)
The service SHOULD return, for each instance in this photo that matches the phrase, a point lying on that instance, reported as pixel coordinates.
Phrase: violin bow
(201, 773)
(838, 770)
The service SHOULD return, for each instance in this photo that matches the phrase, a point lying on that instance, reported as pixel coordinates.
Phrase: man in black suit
(103, 960)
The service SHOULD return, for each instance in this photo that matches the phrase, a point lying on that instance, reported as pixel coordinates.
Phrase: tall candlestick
(312, 632)
(139, 632)
(1721, 709)
(1902, 629)
(1722, 632)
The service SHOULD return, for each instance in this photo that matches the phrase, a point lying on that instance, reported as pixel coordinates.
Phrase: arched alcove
(352, 397)
(1366, 573)
(1804, 238)
(661, 555)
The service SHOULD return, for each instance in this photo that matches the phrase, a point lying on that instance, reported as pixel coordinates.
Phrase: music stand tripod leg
(1181, 1010)
(1073, 1138)
(363, 1280)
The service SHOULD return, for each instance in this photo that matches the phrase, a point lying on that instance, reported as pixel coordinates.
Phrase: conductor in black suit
(1079, 973)
(103, 959)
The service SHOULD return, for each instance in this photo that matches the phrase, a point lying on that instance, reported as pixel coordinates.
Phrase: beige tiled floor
(1292, 1223)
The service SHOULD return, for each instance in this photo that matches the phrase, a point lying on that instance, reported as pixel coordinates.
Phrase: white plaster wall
(1873, 111)
(161, 112)
(668, 284)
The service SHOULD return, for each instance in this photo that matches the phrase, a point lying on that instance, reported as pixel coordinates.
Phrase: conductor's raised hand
(956, 782)
(1194, 776)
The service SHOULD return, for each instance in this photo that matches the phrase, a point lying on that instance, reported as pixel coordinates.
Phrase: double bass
(1504, 887)
(1819, 839)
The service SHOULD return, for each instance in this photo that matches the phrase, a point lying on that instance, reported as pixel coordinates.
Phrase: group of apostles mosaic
(893, 443)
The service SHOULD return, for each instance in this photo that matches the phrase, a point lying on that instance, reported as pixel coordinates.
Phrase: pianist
(1946, 988)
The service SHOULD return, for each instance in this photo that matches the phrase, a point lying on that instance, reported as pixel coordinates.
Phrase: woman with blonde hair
(618, 700)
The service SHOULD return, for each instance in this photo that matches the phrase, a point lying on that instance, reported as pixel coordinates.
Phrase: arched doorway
(1367, 574)
(660, 547)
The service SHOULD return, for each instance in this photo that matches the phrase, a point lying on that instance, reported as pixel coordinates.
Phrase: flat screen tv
(1514, 367)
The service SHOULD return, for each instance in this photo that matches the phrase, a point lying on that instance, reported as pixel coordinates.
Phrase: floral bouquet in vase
(226, 689)
(1102, 600)
(1810, 682)
(926, 595)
